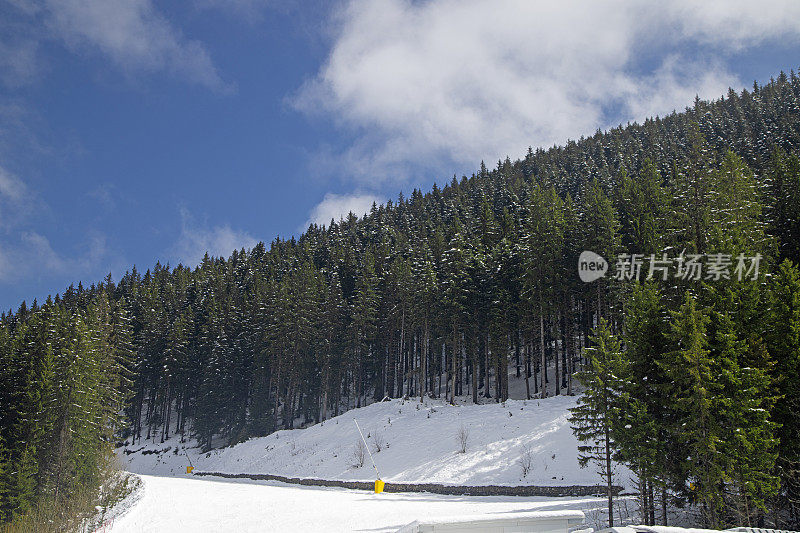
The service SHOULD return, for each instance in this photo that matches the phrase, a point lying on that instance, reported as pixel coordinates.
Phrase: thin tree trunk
(475, 373)
(401, 375)
(651, 503)
(555, 359)
(487, 393)
(423, 363)
(453, 366)
(608, 479)
(543, 372)
(527, 371)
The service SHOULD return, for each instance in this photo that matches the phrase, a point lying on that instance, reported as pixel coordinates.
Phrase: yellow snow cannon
(379, 484)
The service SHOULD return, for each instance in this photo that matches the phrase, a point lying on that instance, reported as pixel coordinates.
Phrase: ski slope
(177, 504)
(420, 445)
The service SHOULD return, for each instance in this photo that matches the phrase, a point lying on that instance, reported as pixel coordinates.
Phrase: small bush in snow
(377, 441)
(526, 460)
(359, 454)
(462, 436)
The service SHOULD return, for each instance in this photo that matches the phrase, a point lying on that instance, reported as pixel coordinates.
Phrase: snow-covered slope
(420, 445)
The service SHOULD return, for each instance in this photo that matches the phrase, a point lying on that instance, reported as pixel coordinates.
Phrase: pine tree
(694, 395)
(4, 482)
(784, 190)
(784, 346)
(642, 209)
(645, 438)
(600, 226)
(544, 242)
(597, 415)
(455, 296)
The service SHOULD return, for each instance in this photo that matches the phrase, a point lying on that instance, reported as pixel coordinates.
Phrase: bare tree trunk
(323, 408)
(487, 392)
(555, 357)
(423, 363)
(475, 373)
(453, 366)
(571, 345)
(542, 371)
(527, 371)
(608, 478)
(401, 374)
(651, 503)
(504, 373)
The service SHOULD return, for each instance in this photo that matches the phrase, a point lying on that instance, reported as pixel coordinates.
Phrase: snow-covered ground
(419, 445)
(171, 504)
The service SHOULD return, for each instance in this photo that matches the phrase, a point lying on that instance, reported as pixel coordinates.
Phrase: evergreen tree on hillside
(596, 418)
(784, 189)
(646, 439)
(642, 207)
(694, 395)
(600, 235)
(784, 342)
(543, 247)
(455, 295)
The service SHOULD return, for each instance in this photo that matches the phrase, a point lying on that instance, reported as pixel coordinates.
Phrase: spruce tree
(595, 419)
(784, 346)
(694, 394)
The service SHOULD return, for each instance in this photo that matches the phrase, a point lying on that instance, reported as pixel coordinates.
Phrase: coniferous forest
(692, 383)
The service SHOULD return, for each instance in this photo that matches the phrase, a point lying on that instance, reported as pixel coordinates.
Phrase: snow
(203, 504)
(420, 446)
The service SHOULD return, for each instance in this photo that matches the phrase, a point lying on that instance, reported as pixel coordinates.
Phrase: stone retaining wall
(454, 490)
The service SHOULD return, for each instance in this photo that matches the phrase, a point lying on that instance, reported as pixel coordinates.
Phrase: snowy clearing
(193, 504)
(419, 444)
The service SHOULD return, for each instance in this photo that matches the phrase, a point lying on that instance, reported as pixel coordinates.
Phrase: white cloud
(31, 255)
(11, 187)
(195, 240)
(16, 201)
(134, 36)
(430, 85)
(337, 206)
(736, 24)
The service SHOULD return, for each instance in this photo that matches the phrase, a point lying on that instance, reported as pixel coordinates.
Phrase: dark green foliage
(784, 343)
(595, 419)
(65, 385)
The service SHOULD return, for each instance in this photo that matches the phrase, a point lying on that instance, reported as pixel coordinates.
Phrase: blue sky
(133, 131)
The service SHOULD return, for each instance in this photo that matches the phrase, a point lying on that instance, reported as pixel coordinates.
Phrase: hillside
(419, 446)
(450, 294)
